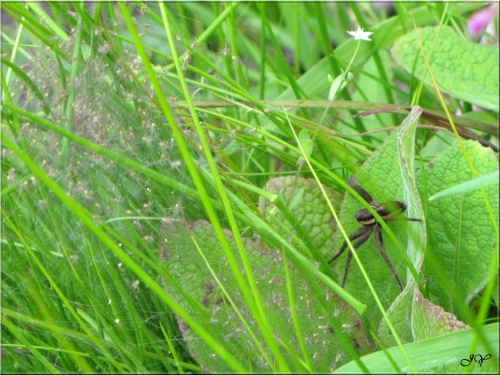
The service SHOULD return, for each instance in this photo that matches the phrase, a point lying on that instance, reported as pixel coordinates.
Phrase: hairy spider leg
(358, 243)
(404, 219)
(362, 235)
(362, 192)
(352, 237)
(378, 237)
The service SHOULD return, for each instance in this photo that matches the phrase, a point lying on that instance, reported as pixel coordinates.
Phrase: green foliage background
(174, 185)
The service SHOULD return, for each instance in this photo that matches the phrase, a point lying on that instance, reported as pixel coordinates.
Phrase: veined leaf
(466, 70)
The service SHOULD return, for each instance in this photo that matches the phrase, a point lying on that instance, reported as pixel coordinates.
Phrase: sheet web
(120, 119)
(118, 116)
(201, 279)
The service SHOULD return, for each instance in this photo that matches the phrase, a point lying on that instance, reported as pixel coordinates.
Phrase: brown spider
(387, 211)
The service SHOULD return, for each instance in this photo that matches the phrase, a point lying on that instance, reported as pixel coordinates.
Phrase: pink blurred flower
(480, 19)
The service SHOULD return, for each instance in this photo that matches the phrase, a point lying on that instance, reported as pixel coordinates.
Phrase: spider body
(387, 211)
(366, 218)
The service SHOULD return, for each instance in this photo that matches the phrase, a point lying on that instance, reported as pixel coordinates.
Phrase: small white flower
(359, 34)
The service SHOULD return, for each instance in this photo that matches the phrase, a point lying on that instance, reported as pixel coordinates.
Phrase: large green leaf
(314, 82)
(307, 205)
(461, 247)
(430, 320)
(462, 237)
(196, 288)
(416, 318)
(465, 70)
(449, 353)
(469, 186)
(387, 175)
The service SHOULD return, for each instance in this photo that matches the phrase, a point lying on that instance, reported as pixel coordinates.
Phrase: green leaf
(400, 315)
(387, 175)
(430, 320)
(416, 318)
(338, 84)
(205, 286)
(312, 212)
(454, 266)
(448, 353)
(462, 237)
(468, 186)
(306, 142)
(466, 70)
(297, 199)
(313, 82)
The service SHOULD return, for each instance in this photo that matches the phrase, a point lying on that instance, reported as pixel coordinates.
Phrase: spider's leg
(390, 218)
(378, 236)
(346, 270)
(352, 237)
(364, 194)
(364, 236)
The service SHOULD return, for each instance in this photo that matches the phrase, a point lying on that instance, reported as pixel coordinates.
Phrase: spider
(387, 211)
